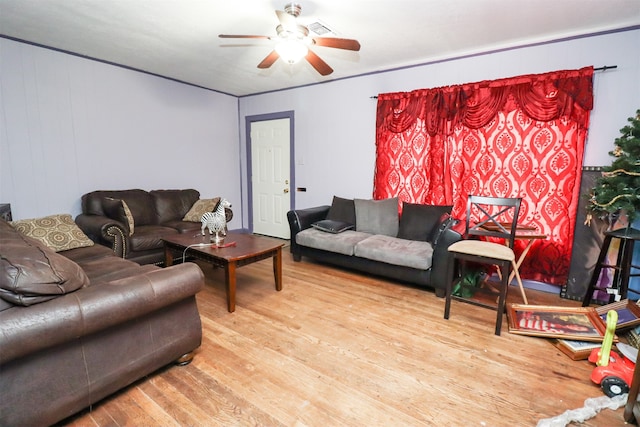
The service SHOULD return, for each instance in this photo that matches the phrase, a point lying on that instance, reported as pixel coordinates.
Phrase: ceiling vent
(320, 28)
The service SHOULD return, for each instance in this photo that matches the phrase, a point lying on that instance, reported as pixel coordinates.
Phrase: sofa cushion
(184, 226)
(377, 216)
(342, 243)
(342, 210)
(140, 202)
(331, 226)
(57, 232)
(199, 208)
(78, 255)
(142, 208)
(172, 205)
(105, 270)
(392, 250)
(150, 237)
(419, 222)
(118, 210)
(31, 273)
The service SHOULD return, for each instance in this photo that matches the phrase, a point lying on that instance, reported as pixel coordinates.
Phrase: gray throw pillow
(377, 216)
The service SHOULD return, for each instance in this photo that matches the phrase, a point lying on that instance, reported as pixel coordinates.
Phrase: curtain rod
(603, 68)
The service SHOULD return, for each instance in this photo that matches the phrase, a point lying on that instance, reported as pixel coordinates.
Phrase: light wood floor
(336, 348)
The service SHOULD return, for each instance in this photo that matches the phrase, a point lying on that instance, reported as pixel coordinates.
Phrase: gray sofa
(370, 236)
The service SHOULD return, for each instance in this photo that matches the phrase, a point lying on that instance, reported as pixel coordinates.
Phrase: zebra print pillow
(199, 208)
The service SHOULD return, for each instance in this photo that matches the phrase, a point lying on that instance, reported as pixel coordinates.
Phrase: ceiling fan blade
(317, 63)
(286, 20)
(269, 60)
(348, 44)
(241, 36)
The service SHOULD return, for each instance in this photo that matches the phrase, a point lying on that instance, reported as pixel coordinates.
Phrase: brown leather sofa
(79, 324)
(155, 213)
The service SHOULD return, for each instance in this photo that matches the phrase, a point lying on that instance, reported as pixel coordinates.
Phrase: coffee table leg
(168, 256)
(230, 281)
(277, 268)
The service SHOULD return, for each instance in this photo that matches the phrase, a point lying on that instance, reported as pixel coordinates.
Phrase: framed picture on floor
(570, 323)
(628, 313)
(577, 350)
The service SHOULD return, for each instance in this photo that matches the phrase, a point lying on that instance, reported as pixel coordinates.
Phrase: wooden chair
(492, 217)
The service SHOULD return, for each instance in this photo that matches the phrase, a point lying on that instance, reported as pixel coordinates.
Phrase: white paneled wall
(71, 125)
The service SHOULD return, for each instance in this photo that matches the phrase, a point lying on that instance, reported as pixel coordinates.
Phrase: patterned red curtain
(516, 137)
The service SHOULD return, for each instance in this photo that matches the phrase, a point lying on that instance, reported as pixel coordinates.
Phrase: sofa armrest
(301, 219)
(441, 260)
(26, 330)
(105, 231)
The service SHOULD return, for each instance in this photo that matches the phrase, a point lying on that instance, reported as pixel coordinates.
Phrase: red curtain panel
(516, 137)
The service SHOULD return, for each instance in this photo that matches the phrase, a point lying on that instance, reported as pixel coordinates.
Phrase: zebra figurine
(216, 221)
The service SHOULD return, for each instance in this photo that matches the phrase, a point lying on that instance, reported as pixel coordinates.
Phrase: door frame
(261, 118)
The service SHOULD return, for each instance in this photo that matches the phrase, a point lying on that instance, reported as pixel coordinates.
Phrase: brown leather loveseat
(79, 324)
(137, 235)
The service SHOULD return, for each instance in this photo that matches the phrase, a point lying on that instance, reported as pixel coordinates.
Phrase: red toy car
(615, 378)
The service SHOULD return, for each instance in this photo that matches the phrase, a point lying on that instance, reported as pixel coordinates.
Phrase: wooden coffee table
(248, 249)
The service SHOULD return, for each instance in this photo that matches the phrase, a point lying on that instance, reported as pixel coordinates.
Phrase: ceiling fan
(293, 42)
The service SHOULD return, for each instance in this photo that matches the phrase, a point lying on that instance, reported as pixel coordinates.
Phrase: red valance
(542, 97)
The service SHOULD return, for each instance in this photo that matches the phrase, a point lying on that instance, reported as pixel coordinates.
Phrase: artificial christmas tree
(616, 194)
(617, 191)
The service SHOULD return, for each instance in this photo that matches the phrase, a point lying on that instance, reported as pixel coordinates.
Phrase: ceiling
(178, 39)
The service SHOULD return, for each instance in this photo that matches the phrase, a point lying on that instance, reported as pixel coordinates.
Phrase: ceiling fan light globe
(291, 51)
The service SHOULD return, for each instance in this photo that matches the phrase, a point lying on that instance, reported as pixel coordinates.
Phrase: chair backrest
(492, 217)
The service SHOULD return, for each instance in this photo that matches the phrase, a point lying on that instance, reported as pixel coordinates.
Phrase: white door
(270, 166)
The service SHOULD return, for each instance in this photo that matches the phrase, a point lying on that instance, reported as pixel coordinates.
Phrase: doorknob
(286, 190)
